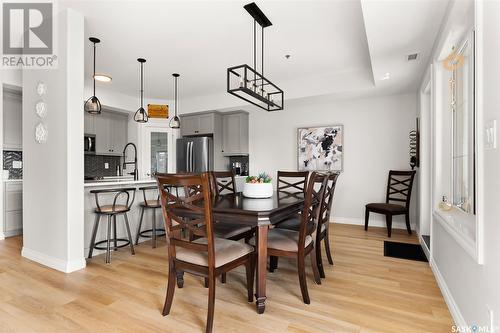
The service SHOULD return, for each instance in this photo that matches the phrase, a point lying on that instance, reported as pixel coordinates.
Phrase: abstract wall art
(321, 148)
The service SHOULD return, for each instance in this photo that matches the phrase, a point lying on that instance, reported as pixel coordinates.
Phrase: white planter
(258, 190)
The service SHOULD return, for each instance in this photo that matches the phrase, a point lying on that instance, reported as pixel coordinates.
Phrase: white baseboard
(374, 222)
(424, 247)
(54, 263)
(12, 233)
(448, 298)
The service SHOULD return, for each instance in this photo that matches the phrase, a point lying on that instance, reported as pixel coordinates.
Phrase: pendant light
(175, 122)
(141, 116)
(245, 82)
(93, 105)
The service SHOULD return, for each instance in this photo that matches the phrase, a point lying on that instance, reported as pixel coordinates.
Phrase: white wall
(53, 172)
(471, 289)
(375, 141)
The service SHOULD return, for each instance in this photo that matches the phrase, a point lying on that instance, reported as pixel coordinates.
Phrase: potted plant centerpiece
(258, 186)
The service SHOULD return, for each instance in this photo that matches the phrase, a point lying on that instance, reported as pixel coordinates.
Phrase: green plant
(261, 178)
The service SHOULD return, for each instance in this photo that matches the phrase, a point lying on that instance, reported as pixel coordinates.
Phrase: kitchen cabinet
(12, 120)
(110, 132)
(89, 123)
(235, 133)
(198, 124)
(13, 203)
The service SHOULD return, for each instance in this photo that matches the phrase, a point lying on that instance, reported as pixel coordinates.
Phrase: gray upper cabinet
(89, 121)
(12, 121)
(235, 133)
(110, 132)
(198, 124)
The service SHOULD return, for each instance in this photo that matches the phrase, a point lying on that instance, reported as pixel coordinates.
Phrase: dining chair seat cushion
(226, 230)
(225, 251)
(283, 239)
(386, 207)
(109, 209)
(151, 203)
(293, 223)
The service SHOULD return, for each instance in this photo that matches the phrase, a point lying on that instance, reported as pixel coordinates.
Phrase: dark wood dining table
(261, 214)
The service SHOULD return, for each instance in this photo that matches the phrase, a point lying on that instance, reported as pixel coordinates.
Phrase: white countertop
(114, 182)
(12, 180)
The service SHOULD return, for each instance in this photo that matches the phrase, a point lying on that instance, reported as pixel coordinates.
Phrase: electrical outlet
(17, 165)
(106, 165)
(490, 135)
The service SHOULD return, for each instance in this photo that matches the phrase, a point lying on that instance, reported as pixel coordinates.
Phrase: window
(463, 129)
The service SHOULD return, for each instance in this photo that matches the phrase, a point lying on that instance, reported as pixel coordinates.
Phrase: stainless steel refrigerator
(195, 154)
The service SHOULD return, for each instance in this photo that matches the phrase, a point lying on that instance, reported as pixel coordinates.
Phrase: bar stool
(111, 211)
(152, 205)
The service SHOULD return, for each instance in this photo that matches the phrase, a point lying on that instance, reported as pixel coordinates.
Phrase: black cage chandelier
(245, 82)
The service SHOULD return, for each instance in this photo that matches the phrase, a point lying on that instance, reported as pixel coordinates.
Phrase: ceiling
(336, 47)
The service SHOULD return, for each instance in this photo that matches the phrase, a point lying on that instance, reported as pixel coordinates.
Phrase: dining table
(261, 214)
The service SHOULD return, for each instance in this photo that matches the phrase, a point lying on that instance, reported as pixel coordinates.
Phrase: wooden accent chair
(322, 232)
(399, 187)
(223, 183)
(298, 244)
(207, 256)
(291, 183)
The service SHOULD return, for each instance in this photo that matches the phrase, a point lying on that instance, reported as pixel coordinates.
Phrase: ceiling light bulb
(102, 77)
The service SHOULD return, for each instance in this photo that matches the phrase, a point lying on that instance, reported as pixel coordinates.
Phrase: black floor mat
(404, 251)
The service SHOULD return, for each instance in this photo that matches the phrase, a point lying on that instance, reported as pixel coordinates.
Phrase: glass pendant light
(93, 105)
(141, 116)
(175, 122)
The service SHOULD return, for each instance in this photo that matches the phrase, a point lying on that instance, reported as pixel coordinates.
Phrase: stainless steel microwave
(89, 144)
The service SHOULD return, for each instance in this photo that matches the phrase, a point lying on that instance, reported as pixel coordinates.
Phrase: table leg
(261, 268)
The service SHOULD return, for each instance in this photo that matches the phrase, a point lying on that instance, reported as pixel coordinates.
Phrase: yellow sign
(157, 111)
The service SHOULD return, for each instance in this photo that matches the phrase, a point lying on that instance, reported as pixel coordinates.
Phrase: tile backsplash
(9, 157)
(94, 165)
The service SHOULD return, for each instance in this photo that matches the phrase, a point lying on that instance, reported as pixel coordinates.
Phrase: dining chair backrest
(197, 205)
(326, 205)
(312, 204)
(223, 182)
(291, 183)
(399, 186)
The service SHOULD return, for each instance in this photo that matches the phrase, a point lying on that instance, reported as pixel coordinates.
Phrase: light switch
(17, 165)
(490, 135)
(106, 165)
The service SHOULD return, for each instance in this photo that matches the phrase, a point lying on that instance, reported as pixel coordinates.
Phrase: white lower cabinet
(13, 206)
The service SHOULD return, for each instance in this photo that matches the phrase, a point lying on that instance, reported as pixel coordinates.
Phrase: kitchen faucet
(135, 173)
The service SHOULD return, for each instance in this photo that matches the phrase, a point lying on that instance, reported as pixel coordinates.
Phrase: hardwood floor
(363, 292)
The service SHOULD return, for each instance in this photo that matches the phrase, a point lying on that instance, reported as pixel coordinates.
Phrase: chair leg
(388, 220)
(301, 267)
(327, 247)
(211, 302)
(314, 264)
(273, 263)
(249, 269)
(115, 241)
(408, 227)
(319, 259)
(367, 217)
(170, 289)
(108, 242)
(223, 278)
(153, 232)
(129, 235)
(180, 279)
(139, 228)
(94, 233)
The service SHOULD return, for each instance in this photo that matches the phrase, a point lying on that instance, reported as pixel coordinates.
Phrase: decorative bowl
(258, 190)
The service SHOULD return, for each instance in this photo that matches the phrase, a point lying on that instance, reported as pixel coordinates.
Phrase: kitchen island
(107, 199)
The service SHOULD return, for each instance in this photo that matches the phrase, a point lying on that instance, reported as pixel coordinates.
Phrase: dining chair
(222, 182)
(206, 256)
(399, 187)
(291, 183)
(322, 231)
(298, 244)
